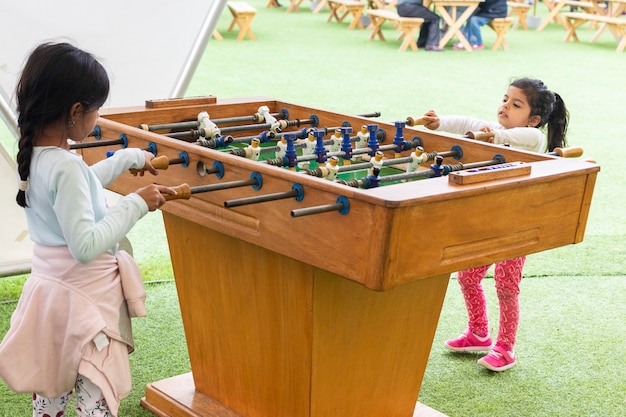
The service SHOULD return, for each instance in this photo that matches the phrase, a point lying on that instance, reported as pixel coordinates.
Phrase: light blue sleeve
(526, 138)
(78, 198)
(460, 125)
(107, 170)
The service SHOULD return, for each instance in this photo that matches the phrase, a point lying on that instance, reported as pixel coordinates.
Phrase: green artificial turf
(572, 360)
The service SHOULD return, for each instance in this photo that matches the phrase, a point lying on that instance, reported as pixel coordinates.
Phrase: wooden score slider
(489, 173)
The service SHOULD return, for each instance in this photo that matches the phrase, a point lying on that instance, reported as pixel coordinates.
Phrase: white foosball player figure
(210, 129)
(253, 151)
(363, 136)
(417, 158)
(264, 111)
(377, 160)
(309, 149)
(281, 146)
(336, 140)
(332, 168)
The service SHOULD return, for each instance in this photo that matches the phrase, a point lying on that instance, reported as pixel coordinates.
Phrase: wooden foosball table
(311, 281)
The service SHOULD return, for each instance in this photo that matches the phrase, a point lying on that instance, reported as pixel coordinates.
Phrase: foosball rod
(570, 152)
(111, 142)
(201, 133)
(184, 191)
(342, 205)
(123, 141)
(297, 192)
(257, 117)
(438, 169)
(455, 152)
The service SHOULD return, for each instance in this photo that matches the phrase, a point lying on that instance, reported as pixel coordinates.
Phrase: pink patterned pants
(507, 275)
(89, 402)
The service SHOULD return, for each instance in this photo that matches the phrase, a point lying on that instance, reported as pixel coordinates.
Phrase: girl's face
(515, 110)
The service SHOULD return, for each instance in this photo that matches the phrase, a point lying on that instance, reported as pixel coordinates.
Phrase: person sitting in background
(430, 34)
(486, 11)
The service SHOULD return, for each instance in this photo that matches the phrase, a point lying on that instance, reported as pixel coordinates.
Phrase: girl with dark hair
(71, 328)
(527, 106)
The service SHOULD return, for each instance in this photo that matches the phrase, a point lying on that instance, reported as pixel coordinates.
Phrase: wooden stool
(501, 26)
(217, 35)
(354, 7)
(243, 14)
(521, 10)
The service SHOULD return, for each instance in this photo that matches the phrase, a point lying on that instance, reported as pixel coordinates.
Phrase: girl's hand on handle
(154, 195)
(147, 166)
(431, 120)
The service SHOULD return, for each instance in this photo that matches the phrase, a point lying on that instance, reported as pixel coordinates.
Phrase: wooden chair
(501, 26)
(243, 14)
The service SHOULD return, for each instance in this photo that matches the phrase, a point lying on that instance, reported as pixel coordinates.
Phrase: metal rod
(82, 145)
(260, 199)
(342, 205)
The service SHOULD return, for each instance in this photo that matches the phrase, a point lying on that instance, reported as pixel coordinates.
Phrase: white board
(150, 49)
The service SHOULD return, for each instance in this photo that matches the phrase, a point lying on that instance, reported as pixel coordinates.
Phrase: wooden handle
(573, 152)
(415, 122)
(482, 136)
(183, 192)
(160, 162)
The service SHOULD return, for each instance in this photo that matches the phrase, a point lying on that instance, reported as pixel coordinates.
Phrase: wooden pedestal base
(177, 397)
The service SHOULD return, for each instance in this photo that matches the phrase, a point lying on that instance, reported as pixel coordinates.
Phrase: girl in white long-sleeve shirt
(527, 107)
(71, 327)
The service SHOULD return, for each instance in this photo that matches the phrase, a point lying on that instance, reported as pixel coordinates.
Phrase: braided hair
(56, 76)
(547, 105)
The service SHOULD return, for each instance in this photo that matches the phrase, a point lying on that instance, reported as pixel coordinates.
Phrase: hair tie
(23, 185)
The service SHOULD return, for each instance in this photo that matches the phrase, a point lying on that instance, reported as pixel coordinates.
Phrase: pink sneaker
(498, 360)
(469, 342)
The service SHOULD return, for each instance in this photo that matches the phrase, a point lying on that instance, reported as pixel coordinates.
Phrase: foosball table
(312, 250)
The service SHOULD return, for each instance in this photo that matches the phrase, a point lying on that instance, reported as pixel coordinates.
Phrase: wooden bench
(587, 7)
(616, 25)
(501, 26)
(339, 9)
(243, 14)
(409, 26)
(521, 10)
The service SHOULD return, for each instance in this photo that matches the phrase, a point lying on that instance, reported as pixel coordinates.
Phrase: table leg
(294, 5)
(377, 23)
(554, 14)
(410, 33)
(356, 18)
(320, 6)
(454, 24)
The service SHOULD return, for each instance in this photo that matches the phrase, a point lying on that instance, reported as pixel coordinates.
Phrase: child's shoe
(498, 360)
(469, 342)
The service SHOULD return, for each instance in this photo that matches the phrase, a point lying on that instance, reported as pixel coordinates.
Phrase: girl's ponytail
(557, 124)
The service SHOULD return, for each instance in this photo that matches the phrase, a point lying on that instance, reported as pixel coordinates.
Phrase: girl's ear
(533, 121)
(75, 109)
